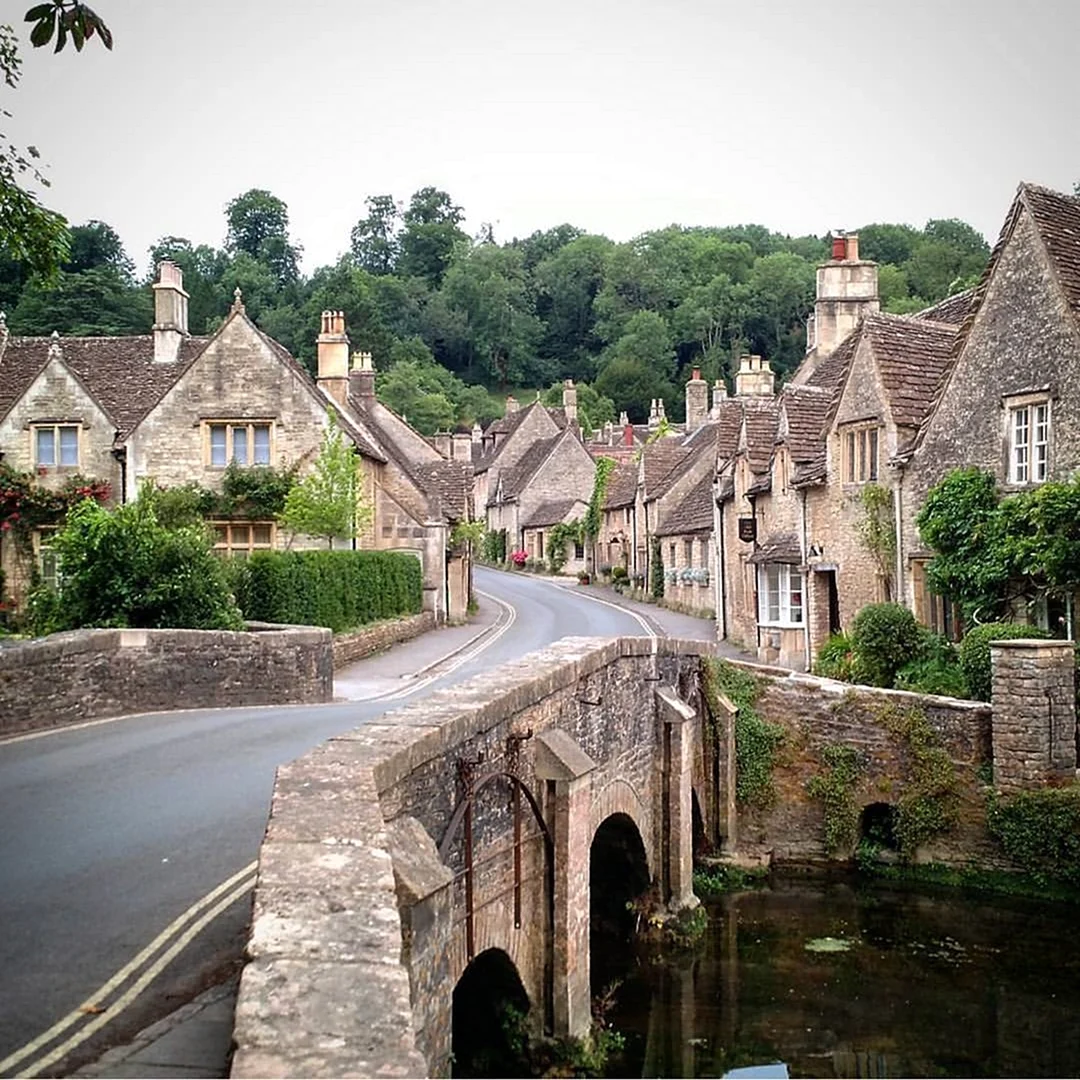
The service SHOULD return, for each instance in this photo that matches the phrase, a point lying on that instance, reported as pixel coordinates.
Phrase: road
(113, 832)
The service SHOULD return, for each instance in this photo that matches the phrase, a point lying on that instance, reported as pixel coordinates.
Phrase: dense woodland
(454, 322)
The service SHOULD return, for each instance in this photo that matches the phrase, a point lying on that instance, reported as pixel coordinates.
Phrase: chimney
(719, 393)
(170, 312)
(661, 416)
(3, 333)
(851, 241)
(443, 443)
(697, 401)
(608, 434)
(477, 432)
(755, 377)
(654, 417)
(569, 401)
(362, 377)
(839, 246)
(511, 405)
(462, 446)
(332, 347)
(627, 433)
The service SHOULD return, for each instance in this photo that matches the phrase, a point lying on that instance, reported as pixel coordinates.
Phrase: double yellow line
(97, 1010)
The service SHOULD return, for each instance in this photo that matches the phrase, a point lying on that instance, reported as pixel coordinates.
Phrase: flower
(519, 557)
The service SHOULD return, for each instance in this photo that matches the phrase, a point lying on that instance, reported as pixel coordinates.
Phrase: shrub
(1041, 831)
(836, 659)
(935, 670)
(885, 636)
(338, 589)
(619, 573)
(975, 653)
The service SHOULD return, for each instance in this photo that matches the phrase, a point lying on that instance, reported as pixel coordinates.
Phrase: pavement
(196, 1039)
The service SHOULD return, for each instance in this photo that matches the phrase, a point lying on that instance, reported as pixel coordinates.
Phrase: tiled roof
(451, 483)
(1057, 217)
(693, 514)
(664, 461)
(515, 479)
(804, 413)
(953, 309)
(761, 419)
(551, 513)
(119, 373)
(912, 357)
(621, 486)
(783, 548)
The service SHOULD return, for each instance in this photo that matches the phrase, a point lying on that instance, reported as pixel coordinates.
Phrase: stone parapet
(348, 648)
(1033, 694)
(92, 674)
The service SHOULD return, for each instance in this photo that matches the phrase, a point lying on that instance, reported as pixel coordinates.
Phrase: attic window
(56, 445)
(859, 452)
(246, 443)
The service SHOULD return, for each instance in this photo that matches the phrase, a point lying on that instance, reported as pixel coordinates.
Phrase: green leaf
(38, 12)
(61, 37)
(43, 32)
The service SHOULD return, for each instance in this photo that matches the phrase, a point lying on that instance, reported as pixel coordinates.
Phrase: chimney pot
(628, 434)
(839, 246)
(852, 241)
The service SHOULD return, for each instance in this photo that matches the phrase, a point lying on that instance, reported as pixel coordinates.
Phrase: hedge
(338, 589)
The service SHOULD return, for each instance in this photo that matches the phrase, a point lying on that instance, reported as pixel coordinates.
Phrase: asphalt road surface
(112, 834)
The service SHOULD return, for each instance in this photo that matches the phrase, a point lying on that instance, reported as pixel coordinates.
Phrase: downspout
(718, 549)
(119, 453)
(806, 579)
(752, 500)
(898, 531)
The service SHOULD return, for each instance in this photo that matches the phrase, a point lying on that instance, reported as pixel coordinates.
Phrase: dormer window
(1029, 441)
(859, 453)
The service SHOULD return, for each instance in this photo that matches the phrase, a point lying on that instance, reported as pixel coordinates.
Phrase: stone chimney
(170, 312)
(462, 448)
(3, 332)
(444, 443)
(332, 347)
(569, 401)
(755, 377)
(847, 289)
(719, 394)
(362, 377)
(661, 415)
(477, 432)
(607, 434)
(697, 401)
(654, 415)
(512, 405)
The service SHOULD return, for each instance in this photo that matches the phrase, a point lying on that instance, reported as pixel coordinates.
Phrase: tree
(375, 240)
(97, 244)
(594, 410)
(329, 502)
(203, 268)
(94, 302)
(431, 235)
(631, 384)
(258, 225)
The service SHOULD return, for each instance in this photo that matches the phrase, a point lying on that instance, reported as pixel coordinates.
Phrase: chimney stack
(461, 450)
(654, 416)
(755, 378)
(569, 401)
(697, 401)
(362, 377)
(477, 433)
(719, 393)
(511, 405)
(170, 312)
(332, 348)
(444, 443)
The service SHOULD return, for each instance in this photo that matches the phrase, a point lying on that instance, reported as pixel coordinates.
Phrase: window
(860, 455)
(671, 556)
(579, 550)
(1029, 443)
(56, 444)
(47, 561)
(780, 595)
(244, 443)
(688, 552)
(240, 540)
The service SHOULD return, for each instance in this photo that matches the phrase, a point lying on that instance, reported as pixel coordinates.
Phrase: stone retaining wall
(91, 674)
(348, 648)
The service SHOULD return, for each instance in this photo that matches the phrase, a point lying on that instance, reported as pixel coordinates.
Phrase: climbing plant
(26, 506)
(876, 529)
(1040, 829)
(594, 515)
(757, 741)
(656, 565)
(835, 788)
(466, 533)
(566, 532)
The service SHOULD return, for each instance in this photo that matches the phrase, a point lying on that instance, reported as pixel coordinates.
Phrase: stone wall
(348, 648)
(90, 674)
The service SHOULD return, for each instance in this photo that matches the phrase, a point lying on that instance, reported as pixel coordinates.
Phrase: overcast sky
(614, 116)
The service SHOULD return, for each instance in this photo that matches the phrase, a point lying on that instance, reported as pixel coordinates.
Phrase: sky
(615, 117)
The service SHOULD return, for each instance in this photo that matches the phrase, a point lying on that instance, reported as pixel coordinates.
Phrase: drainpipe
(119, 453)
(898, 529)
(718, 547)
(752, 500)
(806, 580)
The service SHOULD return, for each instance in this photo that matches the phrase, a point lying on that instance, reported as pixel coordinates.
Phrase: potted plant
(583, 577)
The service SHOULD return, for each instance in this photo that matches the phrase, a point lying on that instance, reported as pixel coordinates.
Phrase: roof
(760, 420)
(693, 514)
(621, 487)
(119, 373)
(507, 425)
(551, 513)
(804, 412)
(953, 309)
(664, 461)
(1057, 217)
(912, 357)
(450, 483)
(515, 478)
(783, 548)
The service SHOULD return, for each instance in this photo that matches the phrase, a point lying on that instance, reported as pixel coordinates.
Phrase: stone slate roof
(912, 357)
(506, 426)
(664, 461)
(783, 548)
(953, 309)
(1057, 217)
(551, 513)
(515, 479)
(119, 373)
(621, 486)
(694, 514)
(761, 420)
(450, 482)
(804, 413)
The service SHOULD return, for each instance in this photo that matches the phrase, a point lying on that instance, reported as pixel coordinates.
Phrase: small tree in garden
(329, 502)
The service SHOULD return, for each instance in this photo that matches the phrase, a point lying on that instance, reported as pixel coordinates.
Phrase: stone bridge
(404, 852)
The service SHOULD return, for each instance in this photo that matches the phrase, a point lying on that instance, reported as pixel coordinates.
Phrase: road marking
(649, 631)
(246, 877)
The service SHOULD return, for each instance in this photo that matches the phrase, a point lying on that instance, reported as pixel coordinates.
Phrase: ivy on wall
(1041, 830)
(565, 532)
(835, 788)
(594, 515)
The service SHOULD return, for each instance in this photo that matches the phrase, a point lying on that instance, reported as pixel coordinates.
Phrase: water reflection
(921, 984)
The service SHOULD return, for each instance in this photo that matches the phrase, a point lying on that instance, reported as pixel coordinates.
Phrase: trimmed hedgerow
(338, 589)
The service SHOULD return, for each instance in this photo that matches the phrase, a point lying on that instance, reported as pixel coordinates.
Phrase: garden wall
(90, 674)
(348, 648)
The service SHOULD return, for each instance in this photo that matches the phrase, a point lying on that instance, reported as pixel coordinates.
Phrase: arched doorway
(618, 878)
(489, 1019)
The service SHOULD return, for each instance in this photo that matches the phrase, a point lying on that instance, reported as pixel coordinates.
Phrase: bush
(975, 653)
(619, 573)
(338, 589)
(935, 670)
(885, 637)
(124, 568)
(836, 659)
(1041, 831)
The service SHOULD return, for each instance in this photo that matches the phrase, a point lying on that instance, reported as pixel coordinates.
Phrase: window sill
(780, 626)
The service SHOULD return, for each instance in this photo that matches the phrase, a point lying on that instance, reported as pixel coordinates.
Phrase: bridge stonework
(398, 852)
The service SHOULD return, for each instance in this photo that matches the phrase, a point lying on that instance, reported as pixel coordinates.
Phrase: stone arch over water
(490, 1012)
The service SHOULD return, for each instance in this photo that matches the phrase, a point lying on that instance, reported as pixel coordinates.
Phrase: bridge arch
(489, 1015)
(620, 797)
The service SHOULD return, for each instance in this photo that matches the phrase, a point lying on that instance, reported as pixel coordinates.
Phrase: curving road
(111, 833)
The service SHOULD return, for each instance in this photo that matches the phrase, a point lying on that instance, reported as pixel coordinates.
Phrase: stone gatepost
(679, 731)
(566, 768)
(1034, 712)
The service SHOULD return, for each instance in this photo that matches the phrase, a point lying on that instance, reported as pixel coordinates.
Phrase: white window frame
(1028, 432)
(781, 595)
(55, 430)
(230, 429)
